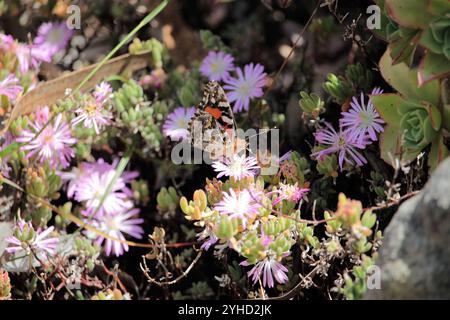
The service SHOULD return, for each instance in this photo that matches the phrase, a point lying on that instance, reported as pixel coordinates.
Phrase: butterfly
(212, 128)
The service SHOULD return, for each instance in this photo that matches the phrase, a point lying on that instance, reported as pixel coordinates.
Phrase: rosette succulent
(407, 24)
(415, 117)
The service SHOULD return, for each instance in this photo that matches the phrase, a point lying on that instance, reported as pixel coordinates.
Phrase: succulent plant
(407, 24)
(415, 116)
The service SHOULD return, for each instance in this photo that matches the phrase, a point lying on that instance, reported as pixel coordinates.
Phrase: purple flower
(246, 86)
(90, 186)
(10, 87)
(176, 125)
(52, 37)
(362, 120)
(217, 65)
(102, 92)
(270, 268)
(116, 226)
(26, 239)
(93, 113)
(209, 236)
(242, 205)
(4, 167)
(53, 144)
(290, 193)
(239, 167)
(341, 142)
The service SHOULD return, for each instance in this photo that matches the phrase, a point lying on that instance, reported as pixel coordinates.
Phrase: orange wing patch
(216, 113)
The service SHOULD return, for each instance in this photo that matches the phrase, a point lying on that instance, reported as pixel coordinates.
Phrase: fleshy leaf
(438, 7)
(433, 66)
(405, 81)
(409, 13)
(438, 152)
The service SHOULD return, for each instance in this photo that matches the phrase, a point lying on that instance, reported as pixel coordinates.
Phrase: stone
(414, 259)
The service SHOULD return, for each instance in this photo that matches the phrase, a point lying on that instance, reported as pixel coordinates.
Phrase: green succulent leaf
(433, 66)
(436, 37)
(438, 152)
(412, 14)
(405, 81)
(402, 45)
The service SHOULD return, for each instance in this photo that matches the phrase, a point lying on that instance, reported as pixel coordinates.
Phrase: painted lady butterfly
(213, 128)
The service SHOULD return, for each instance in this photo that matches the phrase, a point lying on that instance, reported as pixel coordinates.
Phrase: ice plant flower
(53, 37)
(26, 239)
(362, 120)
(270, 269)
(53, 144)
(4, 167)
(217, 65)
(116, 226)
(246, 86)
(209, 237)
(290, 192)
(341, 142)
(239, 167)
(93, 114)
(242, 205)
(102, 92)
(10, 87)
(176, 125)
(92, 185)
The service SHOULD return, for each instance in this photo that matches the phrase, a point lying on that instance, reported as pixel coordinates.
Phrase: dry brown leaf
(47, 93)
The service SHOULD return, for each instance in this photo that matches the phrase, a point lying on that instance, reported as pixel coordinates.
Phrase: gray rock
(414, 259)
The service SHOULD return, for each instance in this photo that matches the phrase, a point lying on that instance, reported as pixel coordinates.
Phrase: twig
(145, 270)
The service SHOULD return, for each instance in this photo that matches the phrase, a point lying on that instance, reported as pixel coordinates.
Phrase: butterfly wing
(213, 120)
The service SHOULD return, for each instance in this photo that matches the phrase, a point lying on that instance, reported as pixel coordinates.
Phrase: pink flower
(217, 65)
(241, 205)
(176, 124)
(270, 269)
(362, 120)
(116, 226)
(93, 114)
(39, 242)
(10, 87)
(239, 167)
(341, 142)
(246, 86)
(102, 92)
(290, 193)
(89, 185)
(53, 144)
(52, 37)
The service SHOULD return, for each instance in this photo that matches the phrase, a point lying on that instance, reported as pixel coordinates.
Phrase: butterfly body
(213, 128)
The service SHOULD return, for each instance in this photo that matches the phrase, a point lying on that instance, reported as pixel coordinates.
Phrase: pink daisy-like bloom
(270, 269)
(290, 192)
(116, 226)
(10, 87)
(341, 142)
(239, 167)
(28, 56)
(92, 114)
(53, 144)
(217, 65)
(102, 92)
(246, 86)
(53, 37)
(4, 167)
(362, 120)
(241, 205)
(209, 237)
(176, 125)
(41, 243)
(91, 184)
